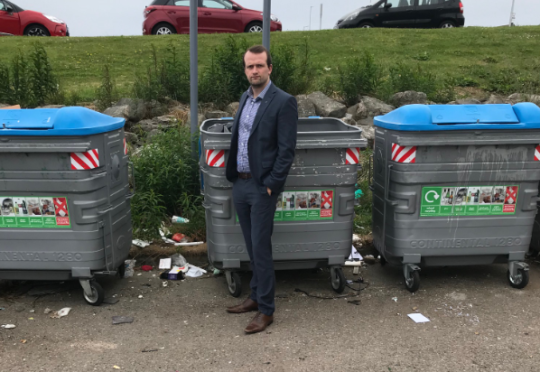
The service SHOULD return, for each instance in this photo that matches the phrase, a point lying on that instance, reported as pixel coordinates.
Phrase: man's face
(257, 71)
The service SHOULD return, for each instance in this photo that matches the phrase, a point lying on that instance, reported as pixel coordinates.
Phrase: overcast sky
(124, 17)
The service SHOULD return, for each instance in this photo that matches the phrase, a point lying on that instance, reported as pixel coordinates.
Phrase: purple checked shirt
(246, 123)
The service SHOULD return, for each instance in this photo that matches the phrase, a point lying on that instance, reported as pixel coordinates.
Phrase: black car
(406, 14)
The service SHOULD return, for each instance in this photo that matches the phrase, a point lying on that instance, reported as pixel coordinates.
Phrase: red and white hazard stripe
(125, 147)
(537, 153)
(353, 156)
(403, 154)
(85, 160)
(215, 158)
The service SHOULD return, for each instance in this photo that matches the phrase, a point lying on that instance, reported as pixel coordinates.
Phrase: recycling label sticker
(48, 212)
(440, 201)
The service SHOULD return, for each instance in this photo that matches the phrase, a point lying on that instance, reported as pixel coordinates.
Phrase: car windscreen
(16, 8)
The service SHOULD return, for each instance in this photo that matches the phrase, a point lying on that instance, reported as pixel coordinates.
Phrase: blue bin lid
(67, 121)
(461, 117)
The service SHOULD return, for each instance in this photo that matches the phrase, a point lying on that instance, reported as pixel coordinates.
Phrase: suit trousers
(256, 212)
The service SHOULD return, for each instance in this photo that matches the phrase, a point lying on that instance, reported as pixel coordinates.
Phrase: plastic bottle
(177, 219)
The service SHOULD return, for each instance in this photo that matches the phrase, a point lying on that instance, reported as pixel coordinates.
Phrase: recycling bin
(314, 216)
(64, 196)
(456, 185)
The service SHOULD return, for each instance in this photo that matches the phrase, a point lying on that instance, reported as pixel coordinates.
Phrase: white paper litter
(354, 255)
(418, 318)
(61, 313)
(165, 263)
(195, 272)
(140, 243)
(8, 326)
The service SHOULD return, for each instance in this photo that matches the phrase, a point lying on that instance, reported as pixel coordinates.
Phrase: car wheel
(254, 27)
(36, 30)
(366, 25)
(163, 29)
(448, 24)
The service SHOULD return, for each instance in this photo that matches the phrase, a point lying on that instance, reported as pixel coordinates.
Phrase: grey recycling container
(64, 196)
(314, 215)
(456, 185)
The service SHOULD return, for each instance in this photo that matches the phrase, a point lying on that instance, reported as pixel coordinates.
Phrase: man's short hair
(258, 49)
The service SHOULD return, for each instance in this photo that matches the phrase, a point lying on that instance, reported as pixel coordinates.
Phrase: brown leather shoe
(259, 323)
(245, 307)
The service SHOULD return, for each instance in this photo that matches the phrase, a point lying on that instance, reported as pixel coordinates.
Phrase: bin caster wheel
(122, 271)
(234, 283)
(519, 281)
(337, 279)
(412, 283)
(97, 296)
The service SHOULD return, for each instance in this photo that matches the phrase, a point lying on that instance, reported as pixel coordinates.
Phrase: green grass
(487, 58)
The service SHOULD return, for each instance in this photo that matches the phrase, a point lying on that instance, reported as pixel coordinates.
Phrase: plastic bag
(178, 260)
(130, 268)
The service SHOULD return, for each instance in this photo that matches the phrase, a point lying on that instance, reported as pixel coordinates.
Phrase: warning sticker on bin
(468, 201)
(31, 212)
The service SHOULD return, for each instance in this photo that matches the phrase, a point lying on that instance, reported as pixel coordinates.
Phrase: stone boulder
(327, 107)
(408, 97)
(132, 138)
(306, 108)
(160, 123)
(232, 108)
(521, 97)
(468, 101)
(494, 99)
(358, 111)
(216, 114)
(376, 107)
(348, 119)
(117, 111)
(135, 110)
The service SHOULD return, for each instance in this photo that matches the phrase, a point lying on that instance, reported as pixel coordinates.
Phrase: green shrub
(42, 79)
(363, 214)
(21, 82)
(293, 71)
(166, 175)
(5, 85)
(106, 92)
(359, 75)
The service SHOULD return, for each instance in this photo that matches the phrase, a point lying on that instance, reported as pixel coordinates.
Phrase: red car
(165, 17)
(17, 21)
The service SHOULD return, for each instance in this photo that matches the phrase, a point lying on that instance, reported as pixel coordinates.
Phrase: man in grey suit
(262, 152)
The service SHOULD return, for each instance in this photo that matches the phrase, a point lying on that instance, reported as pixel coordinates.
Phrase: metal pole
(320, 20)
(310, 9)
(512, 13)
(193, 67)
(266, 23)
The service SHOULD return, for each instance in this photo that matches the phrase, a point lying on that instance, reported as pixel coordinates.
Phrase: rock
(131, 138)
(368, 128)
(409, 97)
(51, 106)
(468, 101)
(327, 107)
(376, 107)
(200, 119)
(348, 119)
(155, 108)
(117, 111)
(4, 105)
(358, 111)
(151, 134)
(521, 97)
(159, 123)
(216, 114)
(494, 99)
(232, 108)
(306, 108)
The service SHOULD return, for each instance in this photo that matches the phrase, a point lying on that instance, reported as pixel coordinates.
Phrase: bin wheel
(519, 281)
(337, 279)
(413, 282)
(98, 294)
(122, 271)
(234, 284)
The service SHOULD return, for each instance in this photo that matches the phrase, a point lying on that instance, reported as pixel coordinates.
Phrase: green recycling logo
(431, 196)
